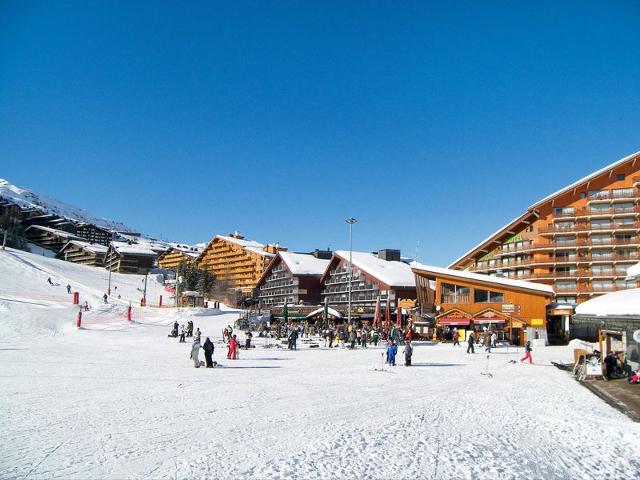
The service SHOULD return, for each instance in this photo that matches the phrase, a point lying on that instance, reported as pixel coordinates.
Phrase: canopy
(453, 321)
(330, 310)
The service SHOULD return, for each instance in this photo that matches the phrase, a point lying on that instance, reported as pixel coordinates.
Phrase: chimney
(389, 255)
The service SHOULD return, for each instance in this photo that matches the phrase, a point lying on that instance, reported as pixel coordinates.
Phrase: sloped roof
(391, 273)
(91, 247)
(59, 233)
(123, 247)
(304, 263)
(479, 277)
(623, 302)
(250, 245)
(531, 210)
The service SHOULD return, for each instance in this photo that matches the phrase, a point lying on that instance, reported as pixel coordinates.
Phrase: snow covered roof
(91, 247)
(59, 233)
(251, 245)
(304, 263)
(623, 302)
(479, 277)
(536, 205)
(26, 199)
(634, 271)
(122, 247)
(391, 273)
(330, 311)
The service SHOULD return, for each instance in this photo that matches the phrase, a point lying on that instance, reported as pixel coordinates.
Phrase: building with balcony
(237, 261)
(84, 253)
(124, 257)
(293, 278)
(176, 256)
(372, 275)
(580, 240)
(49, 238)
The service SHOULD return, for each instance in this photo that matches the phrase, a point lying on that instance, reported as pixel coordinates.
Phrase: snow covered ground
(121, 400)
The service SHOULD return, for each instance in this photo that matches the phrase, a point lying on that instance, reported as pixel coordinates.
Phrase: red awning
(452, 321)
(484, 321)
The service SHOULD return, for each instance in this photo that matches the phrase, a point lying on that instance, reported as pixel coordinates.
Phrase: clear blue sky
(431, 123)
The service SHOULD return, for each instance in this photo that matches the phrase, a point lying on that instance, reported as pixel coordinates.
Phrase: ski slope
(119, 399)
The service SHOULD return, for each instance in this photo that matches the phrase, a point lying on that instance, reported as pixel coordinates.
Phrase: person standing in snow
(456, 338)
(197, 334)
(190, 328)
(86, 306)
(487, 342)
(392, 350)
(208, 348)
(247, 342)
(365, 338)
(195, 350)
(68, 288)
(330, 336)
(104, 298)
(352, 339)
(527, 352)
(494, 339)
(470, 342)
(408, 352)
(182, 334)
(293, 339)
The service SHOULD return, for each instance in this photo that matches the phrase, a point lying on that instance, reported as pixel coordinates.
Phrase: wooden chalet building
(580, 240)
(84, 253)
(373, 275)
(292, 278)
(473, 301)
(129, 258)
(49, 238)
(175, 256)
(238, 261)
(93, 233)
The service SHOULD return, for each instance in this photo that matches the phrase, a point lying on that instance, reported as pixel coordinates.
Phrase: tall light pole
(350, 221)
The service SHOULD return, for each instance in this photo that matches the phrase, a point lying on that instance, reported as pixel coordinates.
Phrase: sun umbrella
(376, 314)
(387, 322)
(399, 317)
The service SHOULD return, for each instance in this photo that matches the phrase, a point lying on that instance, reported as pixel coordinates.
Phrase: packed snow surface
(122, 400)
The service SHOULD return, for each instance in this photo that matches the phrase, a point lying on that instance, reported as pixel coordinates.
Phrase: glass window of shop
(450, 293)
(487, 296)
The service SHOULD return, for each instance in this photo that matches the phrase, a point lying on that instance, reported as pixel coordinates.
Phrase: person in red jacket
(233, 348)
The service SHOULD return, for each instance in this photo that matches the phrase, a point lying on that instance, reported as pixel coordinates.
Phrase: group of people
(208, 348)
(392, 351)
(182, 331)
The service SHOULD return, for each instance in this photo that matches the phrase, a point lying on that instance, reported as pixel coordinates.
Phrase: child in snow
(527, 352)
(408, 352)
(195, 350)
(392, 350)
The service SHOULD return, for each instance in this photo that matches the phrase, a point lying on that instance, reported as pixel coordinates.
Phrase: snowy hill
(29, 199)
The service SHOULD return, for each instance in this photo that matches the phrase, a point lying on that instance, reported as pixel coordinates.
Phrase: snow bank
(623, 302)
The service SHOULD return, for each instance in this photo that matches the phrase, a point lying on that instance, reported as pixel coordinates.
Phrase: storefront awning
(485, 321)
(453, 321)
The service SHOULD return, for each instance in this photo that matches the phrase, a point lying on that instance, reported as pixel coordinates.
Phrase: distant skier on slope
(49, 281)
(208, 348)
(195, 350)
(68, 288)
(104, 298)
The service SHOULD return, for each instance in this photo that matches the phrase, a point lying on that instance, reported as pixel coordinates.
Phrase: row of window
(451, 293)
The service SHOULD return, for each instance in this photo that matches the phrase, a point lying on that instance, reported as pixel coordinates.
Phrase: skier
(293, 339)
(208, 348)
(104, 298)
(49, 280)
(470, 341)
(190, 328)
(392, 350)
(456, 338)
(175, 328)
(247, 343)
(68, 288)
(527, 352)
(408, 352)
(195, 350)
(197, 334)
(182, 334)
(86, 306)
(233, 348)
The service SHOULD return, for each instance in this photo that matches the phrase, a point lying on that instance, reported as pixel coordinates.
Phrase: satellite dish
(636, 336)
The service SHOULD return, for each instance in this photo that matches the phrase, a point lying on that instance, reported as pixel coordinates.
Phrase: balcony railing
(583, 227)
(595, 211)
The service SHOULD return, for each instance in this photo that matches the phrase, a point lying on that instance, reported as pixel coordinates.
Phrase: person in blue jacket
(392, 350)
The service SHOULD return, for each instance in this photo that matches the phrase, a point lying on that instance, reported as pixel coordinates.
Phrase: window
(623, 207)
(487, 296)
(566, 285)
(622, 192)
(450, 293)
(570, 300)
(563, 211)
(620, 177)
(598, 194)
(583, 194)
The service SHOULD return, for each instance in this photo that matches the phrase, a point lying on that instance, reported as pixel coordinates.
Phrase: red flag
(399, 317)
(387, 323)
(376, 314)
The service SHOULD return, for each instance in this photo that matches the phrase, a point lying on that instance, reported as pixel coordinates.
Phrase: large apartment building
(580, 240)
(238, 261)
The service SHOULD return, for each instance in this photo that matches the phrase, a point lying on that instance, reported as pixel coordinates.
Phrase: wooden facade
(293, 278)
(474, 301)
(49, 238)
(371, 279)
(174, 257)
(84, 253)
(581, 240)
(127, 258)
(237, 261)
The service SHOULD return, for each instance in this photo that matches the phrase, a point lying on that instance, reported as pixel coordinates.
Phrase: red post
(160, 303)
(129, 313)
(76, 298)
(79, 321)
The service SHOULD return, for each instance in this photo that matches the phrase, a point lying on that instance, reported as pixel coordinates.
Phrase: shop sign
(508, 308)
(537, 322)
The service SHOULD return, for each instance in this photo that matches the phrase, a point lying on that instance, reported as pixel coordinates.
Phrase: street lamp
(350, 221)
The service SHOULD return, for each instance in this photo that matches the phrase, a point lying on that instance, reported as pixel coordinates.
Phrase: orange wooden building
(237, 261)
(471, 301)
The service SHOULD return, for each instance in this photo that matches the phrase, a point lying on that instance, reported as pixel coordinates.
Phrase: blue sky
(431, 123)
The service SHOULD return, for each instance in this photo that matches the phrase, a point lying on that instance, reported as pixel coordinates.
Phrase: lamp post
(350, 221)
(109, 286)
